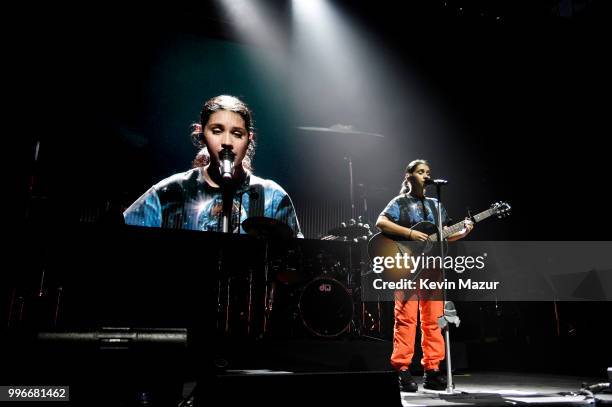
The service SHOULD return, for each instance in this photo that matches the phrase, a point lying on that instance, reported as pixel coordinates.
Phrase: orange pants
(404, 332)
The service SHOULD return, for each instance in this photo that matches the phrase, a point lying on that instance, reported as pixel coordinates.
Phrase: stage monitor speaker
(118, 338)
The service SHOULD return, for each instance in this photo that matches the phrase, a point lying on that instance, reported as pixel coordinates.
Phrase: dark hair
(409, 170)
(232, 104)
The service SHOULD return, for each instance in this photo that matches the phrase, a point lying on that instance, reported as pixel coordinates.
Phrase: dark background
(507, 100)
(509, 109)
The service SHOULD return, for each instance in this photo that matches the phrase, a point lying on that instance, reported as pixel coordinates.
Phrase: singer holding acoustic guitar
(402, 213)
(222, 168)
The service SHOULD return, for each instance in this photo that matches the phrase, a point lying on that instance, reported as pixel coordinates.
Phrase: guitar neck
(451, 230)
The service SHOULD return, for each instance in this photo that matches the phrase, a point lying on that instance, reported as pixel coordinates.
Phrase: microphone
(226, 165)
(430, 181)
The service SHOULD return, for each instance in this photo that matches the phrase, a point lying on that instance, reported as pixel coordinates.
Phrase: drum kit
(317, 291)
(305, 289)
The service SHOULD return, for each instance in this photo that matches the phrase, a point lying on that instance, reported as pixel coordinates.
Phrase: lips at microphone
(226, 163)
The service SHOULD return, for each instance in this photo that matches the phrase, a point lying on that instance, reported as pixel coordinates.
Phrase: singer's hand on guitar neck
(468, 226)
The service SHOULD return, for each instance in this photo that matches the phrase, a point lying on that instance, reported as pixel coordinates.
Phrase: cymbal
(340, 129)
(260, 226)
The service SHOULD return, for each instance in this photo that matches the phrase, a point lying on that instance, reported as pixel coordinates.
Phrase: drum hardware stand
(60, 290)
(376, 319)
(44, 293)
(223, 298)
(349, 159)
(15, 309)
(250, 303)
(358, 328)
(219, 284)
(18, 302)
(227, 305)
(269, 290)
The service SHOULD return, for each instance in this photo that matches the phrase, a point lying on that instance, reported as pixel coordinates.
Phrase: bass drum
(326, 307)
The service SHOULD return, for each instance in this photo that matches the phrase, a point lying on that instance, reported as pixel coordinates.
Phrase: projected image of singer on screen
(220, 192)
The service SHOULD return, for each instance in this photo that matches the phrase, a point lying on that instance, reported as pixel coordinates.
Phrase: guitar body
(382, 245)
(425, 227)
(389, 245)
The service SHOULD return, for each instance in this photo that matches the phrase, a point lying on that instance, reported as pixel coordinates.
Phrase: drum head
(326, 307)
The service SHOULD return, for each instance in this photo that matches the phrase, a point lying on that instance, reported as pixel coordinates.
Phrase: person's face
(226, 129)
(420, 174)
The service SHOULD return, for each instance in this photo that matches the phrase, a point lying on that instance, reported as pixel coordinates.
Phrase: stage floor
(503, 388)
(472, 389)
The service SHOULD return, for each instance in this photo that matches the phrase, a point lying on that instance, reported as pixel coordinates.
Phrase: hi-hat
(340, 129)
(350, 231)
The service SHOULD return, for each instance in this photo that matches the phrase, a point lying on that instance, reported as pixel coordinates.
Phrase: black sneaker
(407, 382)
(434, 380)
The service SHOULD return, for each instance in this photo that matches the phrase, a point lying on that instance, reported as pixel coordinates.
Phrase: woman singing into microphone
(194, 199)
(403, 212)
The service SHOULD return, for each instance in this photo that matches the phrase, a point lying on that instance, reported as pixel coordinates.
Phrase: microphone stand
(450, 313)
(226, 216)
(228, 202)
(227, 190)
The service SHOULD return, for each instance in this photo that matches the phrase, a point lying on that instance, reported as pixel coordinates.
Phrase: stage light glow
(344, 72)
(253, 21)
(310, 8)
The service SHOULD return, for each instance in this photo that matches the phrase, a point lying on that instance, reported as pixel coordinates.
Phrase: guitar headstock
(501, 209)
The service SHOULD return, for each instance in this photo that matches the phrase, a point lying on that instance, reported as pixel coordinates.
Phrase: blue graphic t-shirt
(187, 201)
(407, 211)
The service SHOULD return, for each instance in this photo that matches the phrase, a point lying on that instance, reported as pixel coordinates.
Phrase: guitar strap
(424, 206)
(446, 222)
(256, 200)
